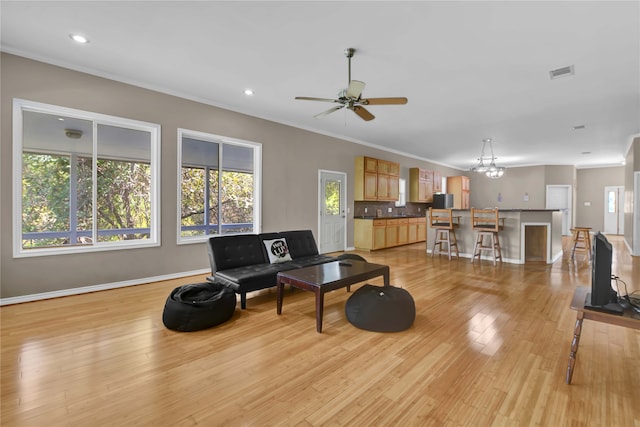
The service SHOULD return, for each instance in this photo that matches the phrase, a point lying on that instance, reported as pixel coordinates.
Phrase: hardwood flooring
(489, 346)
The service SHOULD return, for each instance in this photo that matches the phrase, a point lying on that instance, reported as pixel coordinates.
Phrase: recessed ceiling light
(78, 38)
(249, 92)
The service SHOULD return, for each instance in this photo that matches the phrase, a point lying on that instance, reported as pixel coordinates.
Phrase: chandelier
(491, 170)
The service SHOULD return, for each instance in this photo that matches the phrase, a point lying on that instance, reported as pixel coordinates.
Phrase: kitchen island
(529, 235)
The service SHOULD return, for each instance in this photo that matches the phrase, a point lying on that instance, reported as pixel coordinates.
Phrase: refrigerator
(443, 201)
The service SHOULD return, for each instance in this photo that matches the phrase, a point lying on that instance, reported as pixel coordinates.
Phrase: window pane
(332, 197)
(45, 200)
(612, 202)
(236, 193)
(237, 202)
(192, 207)
(123, 184)
(55, 208)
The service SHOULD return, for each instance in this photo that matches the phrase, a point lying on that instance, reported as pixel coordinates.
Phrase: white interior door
(614, 210)
(332, 218)
(559, 197)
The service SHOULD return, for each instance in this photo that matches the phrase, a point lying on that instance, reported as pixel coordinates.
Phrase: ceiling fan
(351, 97)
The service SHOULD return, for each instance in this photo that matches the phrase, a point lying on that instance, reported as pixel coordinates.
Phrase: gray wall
(291, 160)
(590, 188)
(632, 165)
(519, 188)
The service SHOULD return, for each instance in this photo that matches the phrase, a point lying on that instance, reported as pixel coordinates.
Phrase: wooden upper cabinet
(459, 187)
(376, 180)
(421, 186)
(370, 164)
(437, 182)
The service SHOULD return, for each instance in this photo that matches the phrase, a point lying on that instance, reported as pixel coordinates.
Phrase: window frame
(21, 105)
(257, 180)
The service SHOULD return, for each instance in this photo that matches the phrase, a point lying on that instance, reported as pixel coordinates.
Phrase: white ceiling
(471, 70)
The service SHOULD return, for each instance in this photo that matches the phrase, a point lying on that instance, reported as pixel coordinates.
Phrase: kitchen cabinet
(460, 188)
(437, 182)
(403, 231)
(372, 234)
(421, 185)
(417, 228)
(376, 180)
(391, 233)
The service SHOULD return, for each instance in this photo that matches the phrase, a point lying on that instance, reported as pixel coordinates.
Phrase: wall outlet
(365, 210)
(419, 210)
(390, 210)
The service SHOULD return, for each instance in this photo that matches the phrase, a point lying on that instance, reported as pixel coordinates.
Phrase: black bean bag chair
(381, 308)
(198, 306)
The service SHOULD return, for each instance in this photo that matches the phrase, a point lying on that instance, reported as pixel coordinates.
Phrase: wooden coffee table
(629, 319)
(323, 278)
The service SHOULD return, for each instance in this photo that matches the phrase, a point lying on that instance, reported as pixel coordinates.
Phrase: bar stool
(581, 241)
(441, 220)
(486, 223)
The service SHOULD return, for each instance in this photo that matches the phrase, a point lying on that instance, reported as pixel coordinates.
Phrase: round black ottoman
(381, 308)
(198, 306)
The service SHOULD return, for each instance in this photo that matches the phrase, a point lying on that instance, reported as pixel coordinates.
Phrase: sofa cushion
(301, 243)
(227, 252)
(277, 250)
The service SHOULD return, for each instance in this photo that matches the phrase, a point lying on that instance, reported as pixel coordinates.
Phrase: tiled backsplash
(382, 209)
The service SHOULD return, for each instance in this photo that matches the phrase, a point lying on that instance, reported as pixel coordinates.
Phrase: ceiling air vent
(561, 72)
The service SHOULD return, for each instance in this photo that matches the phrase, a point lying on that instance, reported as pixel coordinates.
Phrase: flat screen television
(602, 297)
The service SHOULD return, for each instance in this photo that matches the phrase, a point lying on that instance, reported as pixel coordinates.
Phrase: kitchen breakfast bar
(528, 235)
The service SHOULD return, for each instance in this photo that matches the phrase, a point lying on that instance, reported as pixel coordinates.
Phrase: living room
(291, 158)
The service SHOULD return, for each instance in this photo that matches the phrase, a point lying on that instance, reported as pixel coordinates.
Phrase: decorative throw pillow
(277, 250)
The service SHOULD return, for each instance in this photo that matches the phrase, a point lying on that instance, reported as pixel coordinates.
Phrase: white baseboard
(101, 287)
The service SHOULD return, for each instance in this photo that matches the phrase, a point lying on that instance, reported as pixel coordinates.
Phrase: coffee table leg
(385, 275)
(279, 297)
(574, 346)
(319, 309)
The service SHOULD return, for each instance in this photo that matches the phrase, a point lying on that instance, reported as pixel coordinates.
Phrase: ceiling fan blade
(363, 113)
(307, 98)
(355, 89)
(329, 111)
(384, 101)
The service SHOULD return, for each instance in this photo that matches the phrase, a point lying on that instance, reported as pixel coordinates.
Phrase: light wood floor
(489, 347)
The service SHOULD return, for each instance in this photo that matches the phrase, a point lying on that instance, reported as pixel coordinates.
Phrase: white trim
(96, 288)
(523, 225)
(343, 202)
(154, 130)
(635, 215)
(221, 140)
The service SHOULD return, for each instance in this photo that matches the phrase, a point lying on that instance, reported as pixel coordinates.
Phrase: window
(402, 195)
(83, 181)
(219, 183)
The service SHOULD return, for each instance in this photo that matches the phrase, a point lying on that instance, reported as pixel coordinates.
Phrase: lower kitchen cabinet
(372, 234)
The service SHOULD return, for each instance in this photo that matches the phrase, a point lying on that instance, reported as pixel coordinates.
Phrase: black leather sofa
(243, 262)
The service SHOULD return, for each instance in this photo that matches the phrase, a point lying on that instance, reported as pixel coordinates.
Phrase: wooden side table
(629, 319)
